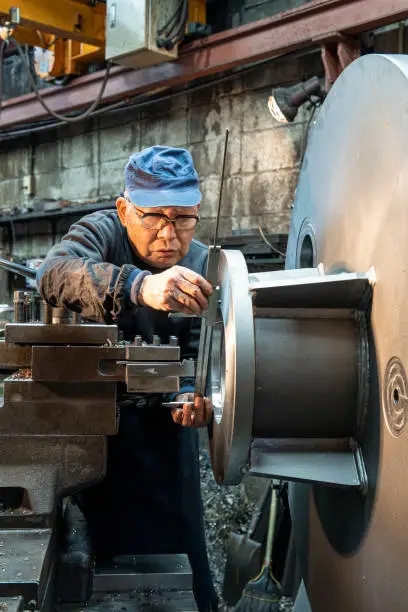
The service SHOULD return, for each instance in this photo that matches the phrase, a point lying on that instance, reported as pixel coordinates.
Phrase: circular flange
(232, 372)
(395, 399)
(353, 190)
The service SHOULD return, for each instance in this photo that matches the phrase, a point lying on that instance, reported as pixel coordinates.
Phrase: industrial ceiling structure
(86, 28)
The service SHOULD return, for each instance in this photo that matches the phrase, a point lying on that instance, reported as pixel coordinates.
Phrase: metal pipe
(11, 266)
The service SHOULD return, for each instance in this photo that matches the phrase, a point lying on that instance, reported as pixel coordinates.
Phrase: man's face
(161, 248)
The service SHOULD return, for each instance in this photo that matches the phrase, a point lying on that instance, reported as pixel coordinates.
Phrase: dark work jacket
(150, 500)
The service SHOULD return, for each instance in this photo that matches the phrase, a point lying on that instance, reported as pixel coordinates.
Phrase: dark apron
(150, 500)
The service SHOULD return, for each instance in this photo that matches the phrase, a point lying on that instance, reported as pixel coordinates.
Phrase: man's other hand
(195, 412)
(177, 289)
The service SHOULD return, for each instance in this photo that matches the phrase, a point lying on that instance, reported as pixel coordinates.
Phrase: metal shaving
(21, 374)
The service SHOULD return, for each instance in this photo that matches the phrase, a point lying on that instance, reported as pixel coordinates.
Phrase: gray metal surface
(150, 384)
(232, 373)
(160, 369)
(302, 603)
(352, 197)
(76, 363)
(343, 290)
(40, 333)
(97, 364)
(310, 367)
(26, 563)
(136, 601)
(16, 268)
(147, 352)
(11, 604)
(296, 461)
(306, 381)
(48, 467)
(145, 572)
(13, 356)
(57, 409)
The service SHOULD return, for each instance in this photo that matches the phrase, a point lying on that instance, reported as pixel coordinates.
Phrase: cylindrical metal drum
(306, 377)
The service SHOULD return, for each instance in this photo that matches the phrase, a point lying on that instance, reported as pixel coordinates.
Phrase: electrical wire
(179, 34)
(178, 25)
(266, 241)
(65, 119)
(315, 106)
(135, 102)
(172, 19)
(2, 48)
(304, 147)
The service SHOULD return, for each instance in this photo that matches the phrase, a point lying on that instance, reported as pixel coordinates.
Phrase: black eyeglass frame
(142, 216)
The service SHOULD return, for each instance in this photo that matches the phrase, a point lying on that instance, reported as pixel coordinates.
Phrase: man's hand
(177, 289)
(196, 412)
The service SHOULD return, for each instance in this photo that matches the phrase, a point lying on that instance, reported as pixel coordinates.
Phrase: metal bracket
(337, 55)
(337, 463)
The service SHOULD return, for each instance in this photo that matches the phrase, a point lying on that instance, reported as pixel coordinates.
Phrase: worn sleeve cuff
(133, 284)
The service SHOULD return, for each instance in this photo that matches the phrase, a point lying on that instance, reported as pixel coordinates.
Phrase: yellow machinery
(69, 35)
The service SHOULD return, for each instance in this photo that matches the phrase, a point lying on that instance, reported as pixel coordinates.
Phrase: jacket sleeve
(75, 273)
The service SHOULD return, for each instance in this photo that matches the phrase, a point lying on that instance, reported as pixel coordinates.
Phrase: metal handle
(11, 266)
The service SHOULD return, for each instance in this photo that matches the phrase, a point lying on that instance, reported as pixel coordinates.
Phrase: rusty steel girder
(311, 25)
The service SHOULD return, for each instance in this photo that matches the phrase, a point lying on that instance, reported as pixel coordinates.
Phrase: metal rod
(11, 266)
(221, 186)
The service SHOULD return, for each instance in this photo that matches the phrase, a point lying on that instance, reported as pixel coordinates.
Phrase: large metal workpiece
(59, 405)
(312, 386)
(289, 370)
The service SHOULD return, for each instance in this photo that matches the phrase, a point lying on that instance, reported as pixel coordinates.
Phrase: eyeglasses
(157, 221)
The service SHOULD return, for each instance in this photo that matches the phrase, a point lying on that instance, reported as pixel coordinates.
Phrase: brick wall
(84, 163)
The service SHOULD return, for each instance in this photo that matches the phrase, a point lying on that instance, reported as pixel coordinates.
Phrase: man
(131, 267)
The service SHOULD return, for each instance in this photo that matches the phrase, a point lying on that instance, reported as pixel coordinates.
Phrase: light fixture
(284, 102)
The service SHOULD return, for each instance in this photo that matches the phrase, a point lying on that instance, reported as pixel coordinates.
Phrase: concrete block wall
(85, 162)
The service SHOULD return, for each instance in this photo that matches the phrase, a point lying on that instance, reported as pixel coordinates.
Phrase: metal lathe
(307, 371)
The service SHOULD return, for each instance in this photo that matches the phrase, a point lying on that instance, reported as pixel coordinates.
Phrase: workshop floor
(225, 509)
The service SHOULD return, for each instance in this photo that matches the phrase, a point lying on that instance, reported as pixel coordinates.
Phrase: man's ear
(121, 207)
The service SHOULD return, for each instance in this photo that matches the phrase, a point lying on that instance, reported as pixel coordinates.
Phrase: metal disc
(351, 213)
(232, 372)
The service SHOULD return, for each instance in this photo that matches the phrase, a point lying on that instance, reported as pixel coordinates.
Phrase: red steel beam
(310, 25)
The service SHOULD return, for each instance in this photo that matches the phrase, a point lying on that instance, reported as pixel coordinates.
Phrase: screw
(156, 340)
(173, 341)
(138, 340)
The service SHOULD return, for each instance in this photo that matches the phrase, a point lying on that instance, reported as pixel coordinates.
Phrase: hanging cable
(178, 24)
(39, 97)
(139, 101)
(173, 19)
(266, 241)
(2, 48)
